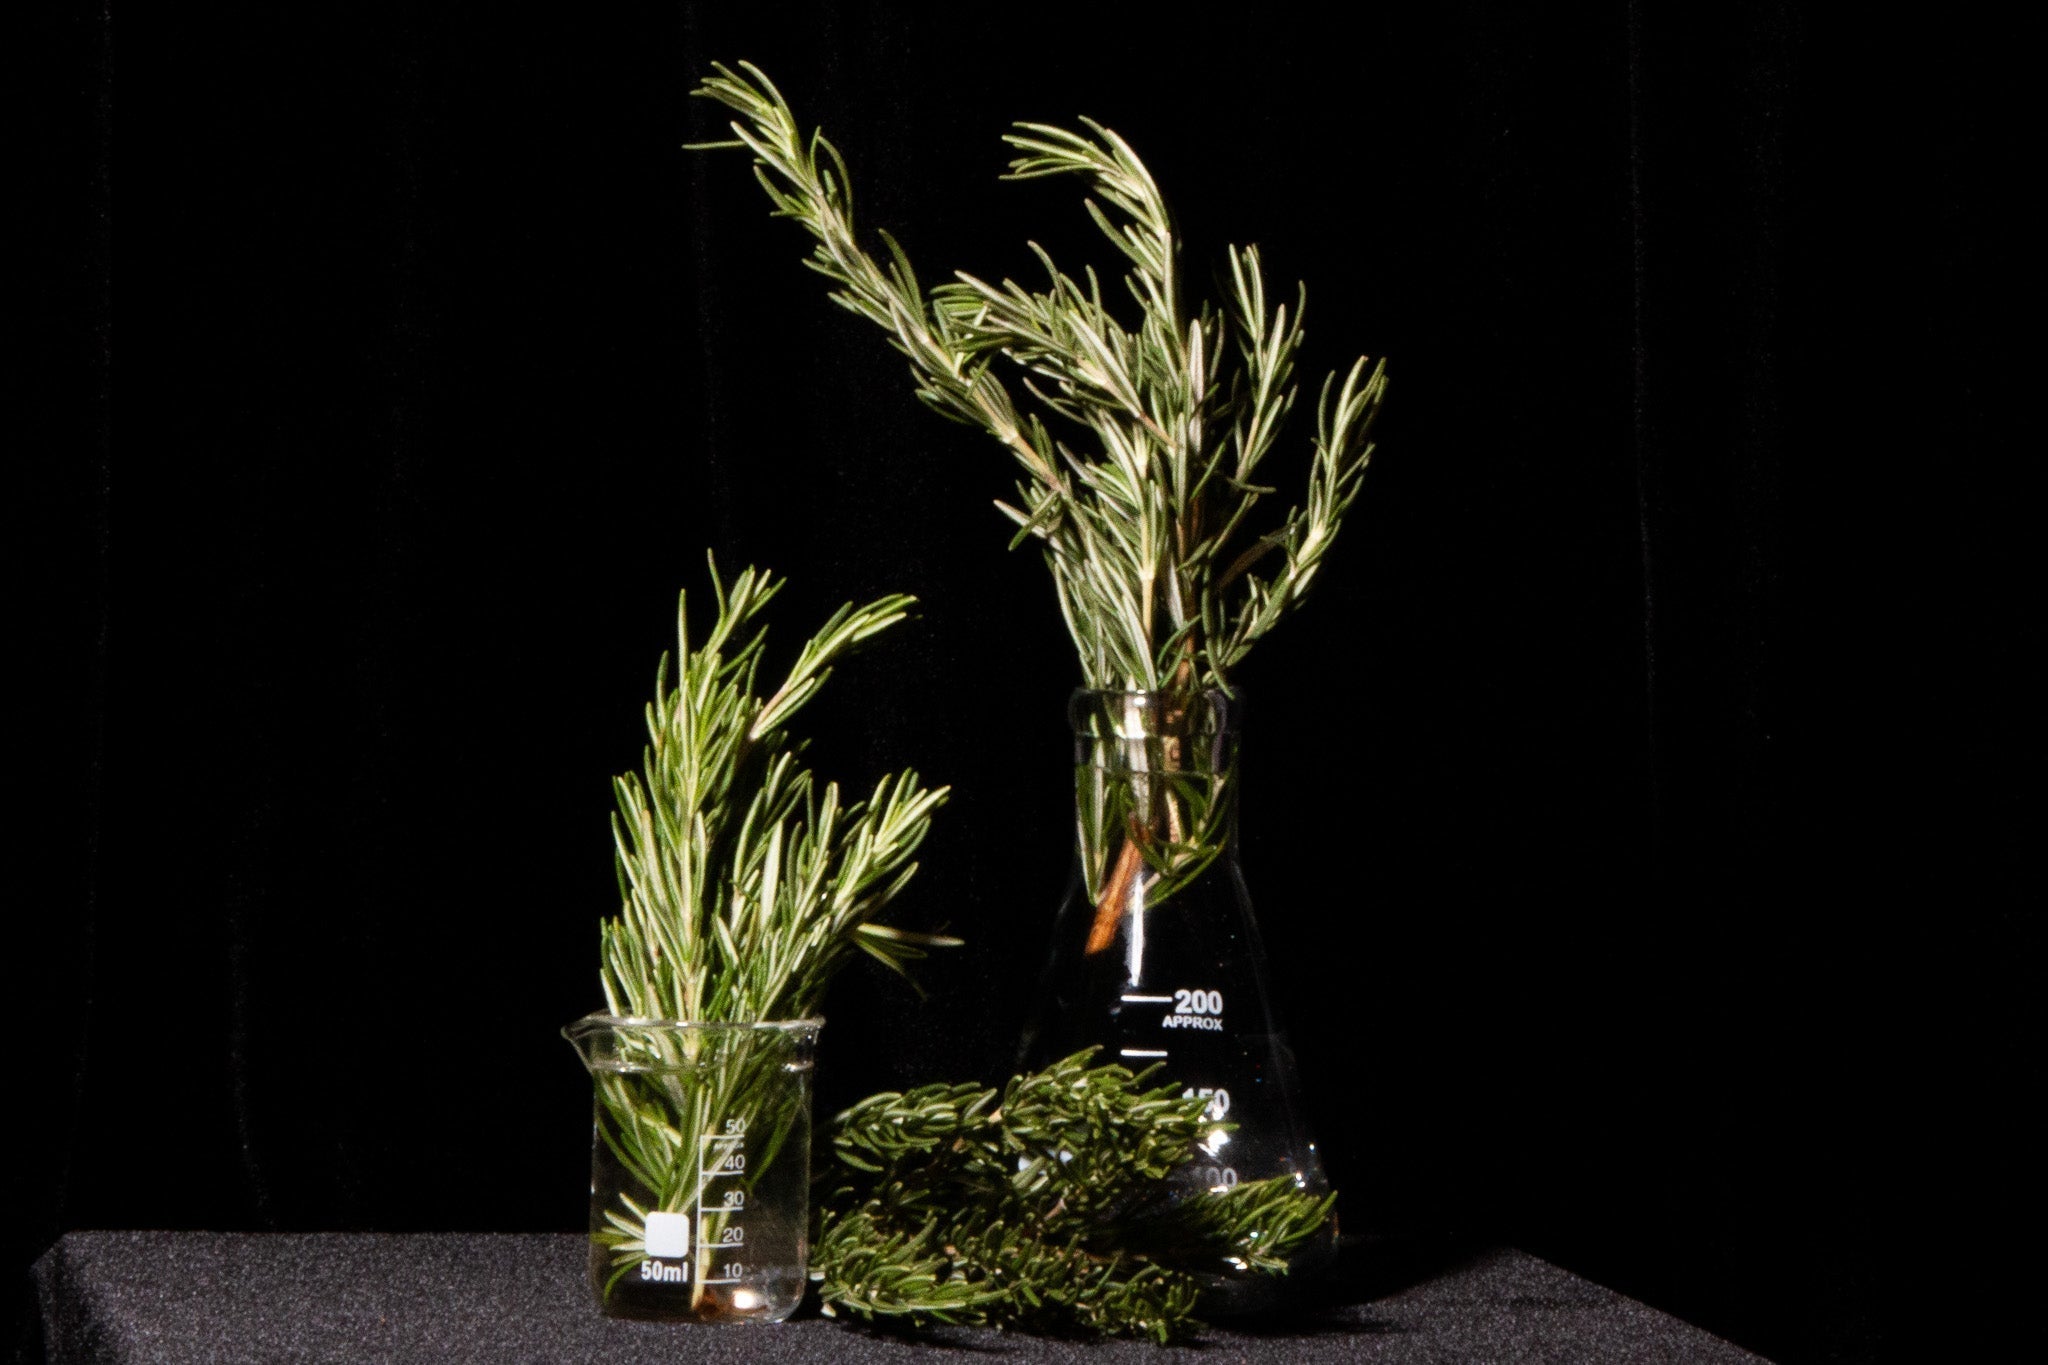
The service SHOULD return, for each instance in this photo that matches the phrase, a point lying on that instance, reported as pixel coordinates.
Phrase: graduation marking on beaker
(719, 1163)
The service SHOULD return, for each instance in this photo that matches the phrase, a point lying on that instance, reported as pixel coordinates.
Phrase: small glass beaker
(699, 1167)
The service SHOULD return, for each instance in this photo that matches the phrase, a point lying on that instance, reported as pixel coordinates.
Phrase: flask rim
(1207, 710)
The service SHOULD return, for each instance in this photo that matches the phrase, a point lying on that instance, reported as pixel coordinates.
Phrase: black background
(1641, 814)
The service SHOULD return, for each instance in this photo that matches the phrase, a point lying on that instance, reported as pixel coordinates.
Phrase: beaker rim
(599, 1020)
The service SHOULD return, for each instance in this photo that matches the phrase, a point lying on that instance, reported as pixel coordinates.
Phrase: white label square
(668, 1235)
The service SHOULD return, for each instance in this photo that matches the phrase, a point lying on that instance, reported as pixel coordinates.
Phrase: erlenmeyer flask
(1156, 956)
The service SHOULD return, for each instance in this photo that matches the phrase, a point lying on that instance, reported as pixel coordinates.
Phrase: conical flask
(1156, 956)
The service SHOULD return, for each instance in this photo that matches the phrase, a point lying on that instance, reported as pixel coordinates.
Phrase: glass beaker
(1156, 956)
(699, 1167)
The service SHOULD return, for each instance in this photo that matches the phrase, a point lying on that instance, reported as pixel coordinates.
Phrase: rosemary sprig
(743, 885)
(1145, 514)
(1043, 1206)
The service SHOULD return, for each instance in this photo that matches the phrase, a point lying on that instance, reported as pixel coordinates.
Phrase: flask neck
(1156, 732)
(1155, 791)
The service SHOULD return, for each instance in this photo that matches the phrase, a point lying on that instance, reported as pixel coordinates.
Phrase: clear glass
(699, 1167)
(1156, 955)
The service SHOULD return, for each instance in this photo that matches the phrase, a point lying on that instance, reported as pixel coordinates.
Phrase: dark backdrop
(1641, 813)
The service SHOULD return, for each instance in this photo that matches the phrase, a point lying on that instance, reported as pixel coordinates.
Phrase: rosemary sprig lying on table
(1043, 1206)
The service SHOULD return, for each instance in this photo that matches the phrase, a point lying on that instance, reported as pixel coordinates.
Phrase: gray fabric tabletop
(180, 1298)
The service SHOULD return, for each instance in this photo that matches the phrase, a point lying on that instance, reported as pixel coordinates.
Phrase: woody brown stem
(1109, 911)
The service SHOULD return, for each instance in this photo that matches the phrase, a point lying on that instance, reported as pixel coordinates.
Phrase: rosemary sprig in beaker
(745, 884)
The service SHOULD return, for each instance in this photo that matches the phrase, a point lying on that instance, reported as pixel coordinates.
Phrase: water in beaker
(700, 1167)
